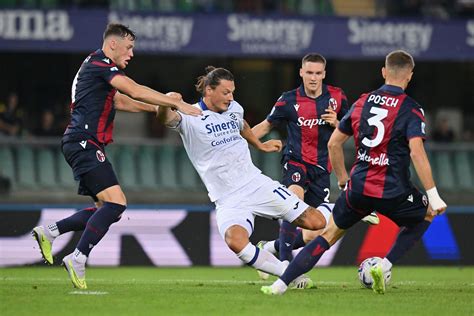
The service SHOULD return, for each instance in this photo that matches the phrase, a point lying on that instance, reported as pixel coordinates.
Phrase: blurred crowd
(429, 8)
(16, 121)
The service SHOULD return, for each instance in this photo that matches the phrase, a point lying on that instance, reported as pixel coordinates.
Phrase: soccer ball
(364, 272)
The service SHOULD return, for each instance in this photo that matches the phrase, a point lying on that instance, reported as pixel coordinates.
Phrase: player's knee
(311, 219)
(236, 238)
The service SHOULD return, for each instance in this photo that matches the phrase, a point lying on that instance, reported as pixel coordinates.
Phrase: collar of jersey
(303, 93)
(203, 105)
(393, 89)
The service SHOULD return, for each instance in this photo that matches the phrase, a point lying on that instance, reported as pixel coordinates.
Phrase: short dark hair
(212, 78)
(118, 30)
(313, 58)
(399, 59)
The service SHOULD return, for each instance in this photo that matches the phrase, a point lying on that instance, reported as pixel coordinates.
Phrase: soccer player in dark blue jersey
(100, 87)
(388, 129)
(310, 113)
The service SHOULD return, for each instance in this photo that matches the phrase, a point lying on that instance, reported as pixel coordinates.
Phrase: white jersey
(214, 145)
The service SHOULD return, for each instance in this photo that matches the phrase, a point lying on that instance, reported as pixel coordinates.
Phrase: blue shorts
(406, 210)
(314, 180)
(90, 166)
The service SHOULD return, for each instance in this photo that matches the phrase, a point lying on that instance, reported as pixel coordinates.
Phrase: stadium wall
(186, 235)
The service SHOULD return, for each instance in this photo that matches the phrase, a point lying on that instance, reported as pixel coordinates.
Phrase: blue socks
(407, 237)
(287, 240)
(98, 225)
(75, 222)
(306, 259)
(299, 242)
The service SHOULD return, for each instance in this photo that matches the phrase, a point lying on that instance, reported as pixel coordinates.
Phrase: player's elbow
(333, 145)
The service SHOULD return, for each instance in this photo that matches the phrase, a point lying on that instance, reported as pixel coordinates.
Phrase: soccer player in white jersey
(217, 145)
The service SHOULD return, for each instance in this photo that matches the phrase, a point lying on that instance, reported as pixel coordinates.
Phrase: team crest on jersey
(424, 199)
(296, 177)
(100, 156)
(297, 106)
(333, 103)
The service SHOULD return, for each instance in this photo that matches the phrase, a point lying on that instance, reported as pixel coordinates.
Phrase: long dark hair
(212, 78)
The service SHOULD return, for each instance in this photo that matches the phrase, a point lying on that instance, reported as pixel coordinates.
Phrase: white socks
(279, 287)
(79, 256)
(270, 247)
(52, 231)
(386, 265)
(265, 261)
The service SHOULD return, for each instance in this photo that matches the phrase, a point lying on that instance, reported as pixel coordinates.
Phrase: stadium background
(170, 220)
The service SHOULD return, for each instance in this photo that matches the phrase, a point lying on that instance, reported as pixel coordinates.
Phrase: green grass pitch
(232, 291)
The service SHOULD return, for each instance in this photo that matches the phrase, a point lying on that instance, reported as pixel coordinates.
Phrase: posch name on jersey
(383, 100)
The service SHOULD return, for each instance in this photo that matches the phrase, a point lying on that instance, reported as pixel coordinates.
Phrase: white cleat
(302, 282)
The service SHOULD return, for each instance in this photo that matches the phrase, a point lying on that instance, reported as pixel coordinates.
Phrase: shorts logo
(424, 199)
(296, 177)
(333, 103)
(100, 156)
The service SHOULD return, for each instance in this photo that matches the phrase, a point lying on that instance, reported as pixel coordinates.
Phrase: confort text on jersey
(225, 140)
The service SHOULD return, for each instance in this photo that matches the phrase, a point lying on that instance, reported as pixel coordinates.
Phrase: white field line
(88, 293)
(157, 281)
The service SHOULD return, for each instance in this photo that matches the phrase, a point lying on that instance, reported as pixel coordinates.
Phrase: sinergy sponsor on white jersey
(214, 145)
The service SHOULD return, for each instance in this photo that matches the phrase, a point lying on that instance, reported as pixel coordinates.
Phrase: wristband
(434, 199)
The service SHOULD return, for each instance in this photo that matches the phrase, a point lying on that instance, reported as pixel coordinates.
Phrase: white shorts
(261, 197)
(326, 210)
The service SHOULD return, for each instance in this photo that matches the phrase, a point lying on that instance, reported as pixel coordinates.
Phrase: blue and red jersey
(308, 133)
(383, 122)
(92, 109)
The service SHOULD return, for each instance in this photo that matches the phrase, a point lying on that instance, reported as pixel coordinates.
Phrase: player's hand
(330, 117)
(438, 209)
(342, 184)
(187, 108)
(272, 145)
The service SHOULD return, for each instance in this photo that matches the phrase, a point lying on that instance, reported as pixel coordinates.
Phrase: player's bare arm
(262, 129)
(122, 102)
(336, 155)
(273, 145)
(330, 117)
(168, 117)
(142, 93)
(423, 170)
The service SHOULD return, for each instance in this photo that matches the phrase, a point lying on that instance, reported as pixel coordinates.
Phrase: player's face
(123, 51)
(219, 99)
(312, 75)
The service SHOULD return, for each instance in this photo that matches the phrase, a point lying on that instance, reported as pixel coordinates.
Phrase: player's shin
(98, 225)
(262, 260)
(306, 259)
(406, 239)
(75, 222)
(288, 233)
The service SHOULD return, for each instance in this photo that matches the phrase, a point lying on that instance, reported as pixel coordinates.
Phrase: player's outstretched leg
(45, 242)
(303, 262)
(371, 219)
(75, 265)
(379, 281)
(45, 235)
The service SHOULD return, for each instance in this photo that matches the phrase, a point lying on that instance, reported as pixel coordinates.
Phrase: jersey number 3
(376, 121)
